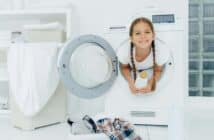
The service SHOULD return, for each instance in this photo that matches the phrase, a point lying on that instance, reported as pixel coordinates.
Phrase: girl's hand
(132, 87)
(146, 89)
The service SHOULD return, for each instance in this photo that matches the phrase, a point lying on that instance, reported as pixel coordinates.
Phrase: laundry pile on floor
(115, 129)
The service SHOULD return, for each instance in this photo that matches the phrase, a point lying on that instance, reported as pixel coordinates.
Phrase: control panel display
(169, 18)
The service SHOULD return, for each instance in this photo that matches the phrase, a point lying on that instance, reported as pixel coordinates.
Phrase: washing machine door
(88, 66)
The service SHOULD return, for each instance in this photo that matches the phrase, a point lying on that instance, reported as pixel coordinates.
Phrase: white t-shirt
(161, 53)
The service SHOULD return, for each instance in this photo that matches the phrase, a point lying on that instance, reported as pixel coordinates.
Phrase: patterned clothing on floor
(117, 129)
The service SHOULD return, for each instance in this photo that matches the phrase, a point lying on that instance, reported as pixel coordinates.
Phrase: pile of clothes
(115, 129)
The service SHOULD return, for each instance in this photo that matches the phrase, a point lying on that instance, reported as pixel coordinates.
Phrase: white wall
(5, 4)
(199, 123)
(20, 4)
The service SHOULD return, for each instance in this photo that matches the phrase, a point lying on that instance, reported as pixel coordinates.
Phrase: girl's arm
(158, 72)
(157, 75)
(126, 72)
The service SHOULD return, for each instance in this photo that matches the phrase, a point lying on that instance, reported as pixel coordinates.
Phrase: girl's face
(142, 35)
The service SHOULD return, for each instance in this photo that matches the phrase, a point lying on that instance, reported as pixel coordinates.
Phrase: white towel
(33, 75)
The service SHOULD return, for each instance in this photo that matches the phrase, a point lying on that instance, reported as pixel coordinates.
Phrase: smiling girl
(142, 54)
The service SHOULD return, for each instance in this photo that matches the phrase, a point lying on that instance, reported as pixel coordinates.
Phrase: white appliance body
(111, 20)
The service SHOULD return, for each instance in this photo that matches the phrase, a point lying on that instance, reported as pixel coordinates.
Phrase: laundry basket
(54, 112)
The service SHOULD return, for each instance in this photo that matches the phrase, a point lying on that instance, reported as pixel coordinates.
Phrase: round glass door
(90, 65)
(87, 66)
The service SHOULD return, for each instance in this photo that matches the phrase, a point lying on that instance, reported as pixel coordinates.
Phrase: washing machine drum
(87, 66)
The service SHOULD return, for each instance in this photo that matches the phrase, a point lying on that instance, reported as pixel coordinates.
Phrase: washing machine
(88, 64)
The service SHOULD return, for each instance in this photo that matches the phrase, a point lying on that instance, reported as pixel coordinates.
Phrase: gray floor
(199, 125)
(55, 132)
(61, 132)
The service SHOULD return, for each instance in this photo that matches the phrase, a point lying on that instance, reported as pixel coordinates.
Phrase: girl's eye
(137, 33)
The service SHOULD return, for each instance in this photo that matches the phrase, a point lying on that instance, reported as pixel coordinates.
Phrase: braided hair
(145, 20)
(154, 66)
(132, 61)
